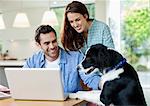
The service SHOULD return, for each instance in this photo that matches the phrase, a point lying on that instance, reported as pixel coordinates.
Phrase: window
(135, 32)
(129, 21)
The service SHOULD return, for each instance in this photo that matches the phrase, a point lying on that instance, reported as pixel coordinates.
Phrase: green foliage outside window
(136, 32)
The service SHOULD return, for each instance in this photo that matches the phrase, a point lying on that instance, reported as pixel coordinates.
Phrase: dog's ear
(116, 57)
(103, 57)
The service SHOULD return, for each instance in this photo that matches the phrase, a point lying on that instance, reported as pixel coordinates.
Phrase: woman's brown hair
(70, 38)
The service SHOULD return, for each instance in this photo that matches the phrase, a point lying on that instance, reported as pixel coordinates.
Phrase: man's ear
(86, 16)
(37, 44)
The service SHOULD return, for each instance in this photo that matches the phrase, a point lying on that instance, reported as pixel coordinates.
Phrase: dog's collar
(119, 65)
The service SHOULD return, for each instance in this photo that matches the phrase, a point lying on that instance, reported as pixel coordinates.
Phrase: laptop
(35, 83)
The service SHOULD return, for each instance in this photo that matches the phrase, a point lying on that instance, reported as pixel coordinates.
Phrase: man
(4, 89)
(51, 55)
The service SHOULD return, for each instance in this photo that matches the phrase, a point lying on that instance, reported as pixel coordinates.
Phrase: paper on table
(4, 95)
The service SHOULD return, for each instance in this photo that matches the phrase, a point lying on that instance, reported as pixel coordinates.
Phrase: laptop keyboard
(4, 95)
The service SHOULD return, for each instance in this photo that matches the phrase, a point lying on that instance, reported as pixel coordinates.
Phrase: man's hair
(43, 29)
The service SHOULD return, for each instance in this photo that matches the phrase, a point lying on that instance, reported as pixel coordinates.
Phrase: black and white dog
(124, 90)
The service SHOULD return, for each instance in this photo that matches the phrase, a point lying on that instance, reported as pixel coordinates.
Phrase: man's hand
(111, 75)
(4, 89)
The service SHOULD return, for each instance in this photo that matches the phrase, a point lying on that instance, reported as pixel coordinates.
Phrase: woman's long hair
(70, 38)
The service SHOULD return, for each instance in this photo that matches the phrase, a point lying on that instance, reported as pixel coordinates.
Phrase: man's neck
(50, 58)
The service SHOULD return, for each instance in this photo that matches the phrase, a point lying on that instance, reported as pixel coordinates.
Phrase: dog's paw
(91, 96)
(73, 96)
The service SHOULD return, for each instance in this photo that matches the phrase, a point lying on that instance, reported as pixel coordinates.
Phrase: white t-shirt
(53, 64)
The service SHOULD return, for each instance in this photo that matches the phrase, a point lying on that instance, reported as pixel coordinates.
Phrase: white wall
(113, 16)
(21, 48)
(100, 10)
(19, 41)
(108, 11)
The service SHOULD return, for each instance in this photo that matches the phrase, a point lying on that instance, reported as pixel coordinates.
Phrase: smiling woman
(80, 31)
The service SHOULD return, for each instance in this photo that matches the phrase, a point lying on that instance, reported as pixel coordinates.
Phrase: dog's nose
(78, 67)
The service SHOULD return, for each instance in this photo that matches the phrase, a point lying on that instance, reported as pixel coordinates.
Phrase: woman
(79, 32)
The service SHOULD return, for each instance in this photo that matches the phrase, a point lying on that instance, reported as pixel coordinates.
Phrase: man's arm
(4, 89)
(91, 80)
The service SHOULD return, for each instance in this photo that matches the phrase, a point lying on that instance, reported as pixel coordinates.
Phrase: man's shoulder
(35, 61)
(37, 55)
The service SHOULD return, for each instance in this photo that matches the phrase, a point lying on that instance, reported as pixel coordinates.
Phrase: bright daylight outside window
(129, 21)
(135, 32)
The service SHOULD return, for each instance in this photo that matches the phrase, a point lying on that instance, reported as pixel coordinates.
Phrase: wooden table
(69, 102)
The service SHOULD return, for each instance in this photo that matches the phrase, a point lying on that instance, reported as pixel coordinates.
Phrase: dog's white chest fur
(111, 75)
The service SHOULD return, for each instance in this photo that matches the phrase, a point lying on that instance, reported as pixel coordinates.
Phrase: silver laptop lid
(35, 83)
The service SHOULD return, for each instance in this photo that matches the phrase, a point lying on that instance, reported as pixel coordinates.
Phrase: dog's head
(101, 57)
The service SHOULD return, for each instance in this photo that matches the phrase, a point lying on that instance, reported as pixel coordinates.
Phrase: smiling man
(52, 56)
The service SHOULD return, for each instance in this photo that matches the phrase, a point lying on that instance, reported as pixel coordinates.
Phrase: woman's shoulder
(99, 23)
